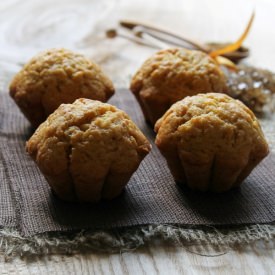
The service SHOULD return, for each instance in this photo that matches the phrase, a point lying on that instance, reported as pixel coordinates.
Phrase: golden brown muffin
(88, 150)
(210, 141)
(57, 76)
(172, 74)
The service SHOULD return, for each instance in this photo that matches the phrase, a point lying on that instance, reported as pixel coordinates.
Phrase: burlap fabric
(151, 197)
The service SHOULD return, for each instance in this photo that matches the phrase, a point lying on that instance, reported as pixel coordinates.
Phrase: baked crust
(88, 150)
(172, 74)
(57, 76)
(210, 141)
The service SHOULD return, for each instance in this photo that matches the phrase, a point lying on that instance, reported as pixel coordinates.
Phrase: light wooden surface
(28, 26)
(253, 259)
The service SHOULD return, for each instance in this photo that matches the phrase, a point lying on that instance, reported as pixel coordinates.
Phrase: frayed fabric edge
(13, 244)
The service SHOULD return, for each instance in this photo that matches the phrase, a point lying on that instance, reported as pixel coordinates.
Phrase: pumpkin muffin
(57, 76)
(172, 74)
(88, 150)
(210, 141)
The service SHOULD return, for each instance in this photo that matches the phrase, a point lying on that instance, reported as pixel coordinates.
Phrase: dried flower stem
(236, 45)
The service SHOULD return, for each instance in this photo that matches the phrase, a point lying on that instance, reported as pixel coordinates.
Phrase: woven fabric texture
(151, 197)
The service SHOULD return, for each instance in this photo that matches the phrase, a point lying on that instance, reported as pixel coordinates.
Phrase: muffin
(172, 74)
(57, 76)
(87, 150)
(210, 141)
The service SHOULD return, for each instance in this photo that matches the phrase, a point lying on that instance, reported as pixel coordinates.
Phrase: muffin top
(101, 129)
(85, 147)
(58, 76)
(208, 124)
(177, 73)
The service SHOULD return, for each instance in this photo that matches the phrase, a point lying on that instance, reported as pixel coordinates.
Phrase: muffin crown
(57, 76)
(89, 120)
(176, 72)
(223, 122)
